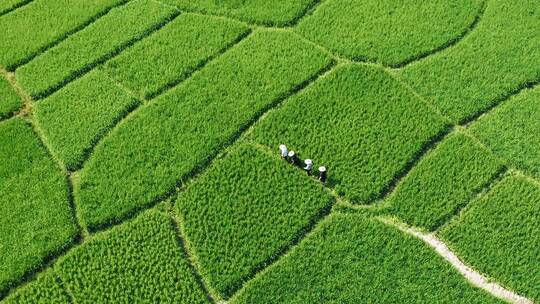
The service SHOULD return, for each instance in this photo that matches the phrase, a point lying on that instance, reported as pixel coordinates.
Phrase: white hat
(308, 161)
(282, 147)
(291, 153)
(322, 168)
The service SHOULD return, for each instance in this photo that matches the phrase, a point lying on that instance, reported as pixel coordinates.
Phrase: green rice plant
(45, 289)
(9, 5)
(500, 236)
(35, 221)
(173, 53)
(270, 13)
(511, 131)
(92, 46)
(388, 31)
(359, 122)
(75, 118)
(33, 28)
(498, 58)
(444, 182)
(351, 259)
(140, 261)
(245, 210)
(10, 102)
(177, 134)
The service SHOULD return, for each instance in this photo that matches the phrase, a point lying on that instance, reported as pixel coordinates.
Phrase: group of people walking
(306, 165)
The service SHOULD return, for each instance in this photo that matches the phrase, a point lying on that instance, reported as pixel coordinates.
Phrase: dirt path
(472, 276)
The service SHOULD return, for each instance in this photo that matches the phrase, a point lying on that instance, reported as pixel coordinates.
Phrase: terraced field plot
(139, 156)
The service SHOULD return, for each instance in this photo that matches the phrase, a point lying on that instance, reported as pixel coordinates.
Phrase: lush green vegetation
(443, 182)
(174, 52)
(498, 57)
(9, 100)
(174, 135)
(139, 261)
(31, 29)
(511, 131)
(272, 13)
(36, 220)
(499, 234)
(45, 289)
(388, 31)
(99, 41)
(358, 121)
(243, 211)
(350, 259)
(9, 5)
(76, 117)
(139, 155)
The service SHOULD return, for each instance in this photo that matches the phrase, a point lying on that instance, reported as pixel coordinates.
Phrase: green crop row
(499, 57)
(32, 28)
(138, 261)
(35, 219)
(359, 122)
(9, 5)
(76, 117)
(45, 289)
(91, 46)
(350, 259)
(270, 13)
(243, 211)
(511, 130)
(180, 131)
(10, 102)
(443, 182)
(171, 54)
(390, 32)
(500, 235)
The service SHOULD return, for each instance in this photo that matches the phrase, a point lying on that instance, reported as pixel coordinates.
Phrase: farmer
(309, 166)
(322, 174)
(284, 152)
(293, 159)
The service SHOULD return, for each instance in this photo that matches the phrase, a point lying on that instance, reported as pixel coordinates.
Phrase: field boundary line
(308, 11)
(416, 158)
(450, 43)
(252, 24)
(525, 175)
(143, 101)
(475, 196)
(53, 256)
(65, 36)
(106, 57)
(191, 259)
(173, 83)
(500, 100)
(26, 100)
(69, 184)
(14, 7)
(475, 278)
(211, 157)
(69, 295)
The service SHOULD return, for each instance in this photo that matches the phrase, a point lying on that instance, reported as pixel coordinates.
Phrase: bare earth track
(84, 236)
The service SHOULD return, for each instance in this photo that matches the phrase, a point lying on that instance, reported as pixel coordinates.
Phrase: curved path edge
(474, 277)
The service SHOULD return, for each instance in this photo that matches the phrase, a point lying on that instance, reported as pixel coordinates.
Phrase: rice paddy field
(140, 157)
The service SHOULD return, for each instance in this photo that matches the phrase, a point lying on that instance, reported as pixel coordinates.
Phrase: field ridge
(64, 36)
(450, 43)
(474, 277)
(180, 238)
(14, 7)
(431, 239)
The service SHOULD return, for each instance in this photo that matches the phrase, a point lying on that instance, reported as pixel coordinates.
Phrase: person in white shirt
(283, 150)
(309, 166)
(322, 174)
